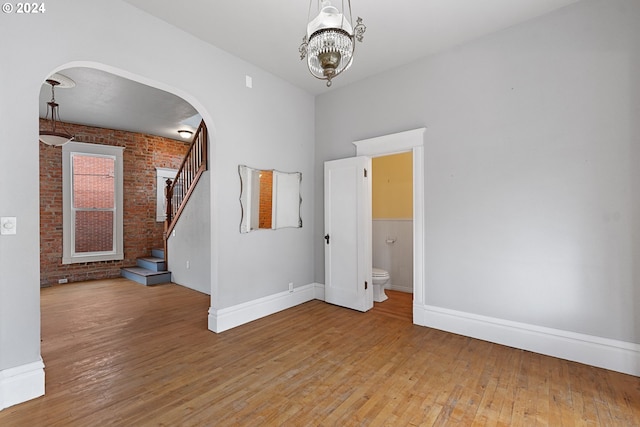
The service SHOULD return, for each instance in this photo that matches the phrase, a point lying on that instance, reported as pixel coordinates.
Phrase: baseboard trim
(620, 356)
(406, 289)
(230, 317)
(604, 353)
(318, 291)
(21, 383)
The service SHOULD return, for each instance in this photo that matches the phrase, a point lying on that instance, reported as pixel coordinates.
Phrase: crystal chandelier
(54, 136)
(330, 41)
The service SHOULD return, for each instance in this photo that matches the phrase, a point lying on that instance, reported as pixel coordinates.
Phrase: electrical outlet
(62, 281)
(8, 225)
(188, 264)
(290, 286)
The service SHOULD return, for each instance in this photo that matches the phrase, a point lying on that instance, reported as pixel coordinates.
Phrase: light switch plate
(8, 225)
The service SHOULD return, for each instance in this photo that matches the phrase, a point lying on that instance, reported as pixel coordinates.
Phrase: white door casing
(347, 211)
(411, 140)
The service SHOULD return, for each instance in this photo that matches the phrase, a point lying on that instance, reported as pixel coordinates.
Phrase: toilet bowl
(379, 277)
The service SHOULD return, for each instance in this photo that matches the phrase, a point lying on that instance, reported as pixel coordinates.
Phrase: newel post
(168, 195)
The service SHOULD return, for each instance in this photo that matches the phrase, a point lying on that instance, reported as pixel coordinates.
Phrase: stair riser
(150, 265)
(159, 253)
(155, 279)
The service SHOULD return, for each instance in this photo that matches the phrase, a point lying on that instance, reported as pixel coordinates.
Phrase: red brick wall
(142, 154)
(266, 194)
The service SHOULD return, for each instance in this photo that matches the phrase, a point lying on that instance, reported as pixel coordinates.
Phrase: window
(162, 174)
(92, 203)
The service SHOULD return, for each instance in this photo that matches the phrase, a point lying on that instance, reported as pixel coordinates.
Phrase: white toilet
(379, 278)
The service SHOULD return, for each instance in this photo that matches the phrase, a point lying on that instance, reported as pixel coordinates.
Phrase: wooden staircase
(150, 270)
(153, 270)
(178, 191)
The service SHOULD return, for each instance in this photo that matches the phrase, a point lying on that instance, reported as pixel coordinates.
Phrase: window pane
(93, 182)
(94, 231)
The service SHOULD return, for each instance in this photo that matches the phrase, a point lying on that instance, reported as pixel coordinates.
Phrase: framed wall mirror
(269, 199)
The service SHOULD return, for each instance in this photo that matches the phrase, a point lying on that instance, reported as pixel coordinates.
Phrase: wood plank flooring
(399, 305)
(118, 353)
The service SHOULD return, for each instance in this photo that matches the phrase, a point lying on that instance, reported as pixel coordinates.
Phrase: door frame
(411, 140)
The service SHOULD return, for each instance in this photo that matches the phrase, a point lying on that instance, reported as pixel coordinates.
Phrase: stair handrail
(179, 190)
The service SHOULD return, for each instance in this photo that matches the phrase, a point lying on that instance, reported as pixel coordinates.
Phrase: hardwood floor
(399, 305)
(118, 353)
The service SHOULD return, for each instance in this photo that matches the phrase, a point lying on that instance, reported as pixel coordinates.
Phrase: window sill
(92, 258)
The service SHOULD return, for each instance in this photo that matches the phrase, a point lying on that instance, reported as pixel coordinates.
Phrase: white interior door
(347, 219)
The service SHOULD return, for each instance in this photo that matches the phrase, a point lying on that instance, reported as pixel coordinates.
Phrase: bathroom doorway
(396, 143)
(392, 230)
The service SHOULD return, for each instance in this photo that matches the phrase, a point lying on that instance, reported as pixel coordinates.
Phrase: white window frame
(162, 174)
(68, 227)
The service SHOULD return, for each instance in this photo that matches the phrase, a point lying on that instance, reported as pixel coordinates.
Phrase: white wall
(392, 247)
(269, 126)
(532, 165)
(189, 250)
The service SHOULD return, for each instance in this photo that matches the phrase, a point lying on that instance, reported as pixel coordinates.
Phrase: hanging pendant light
(330, 41)
(56, 135)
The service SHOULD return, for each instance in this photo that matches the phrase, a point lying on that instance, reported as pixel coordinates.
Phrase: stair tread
(144, 271)
(151, 259)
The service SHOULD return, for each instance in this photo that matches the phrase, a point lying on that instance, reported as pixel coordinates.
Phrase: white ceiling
(268, 34)
(105, 100)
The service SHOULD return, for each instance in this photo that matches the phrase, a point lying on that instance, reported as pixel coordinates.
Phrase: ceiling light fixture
(330, 41)
(54, 136)
(185, 133)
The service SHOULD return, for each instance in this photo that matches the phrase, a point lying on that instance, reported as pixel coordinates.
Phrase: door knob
(326, 237)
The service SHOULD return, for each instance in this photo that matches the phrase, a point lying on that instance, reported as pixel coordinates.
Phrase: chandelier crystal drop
(330, 41)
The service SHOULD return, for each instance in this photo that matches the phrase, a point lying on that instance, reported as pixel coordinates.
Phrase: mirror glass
(269, 199)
